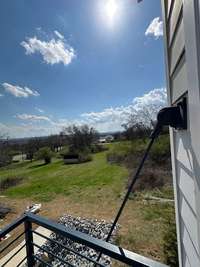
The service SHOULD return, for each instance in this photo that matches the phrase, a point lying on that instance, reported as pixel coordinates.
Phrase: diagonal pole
(134, 179)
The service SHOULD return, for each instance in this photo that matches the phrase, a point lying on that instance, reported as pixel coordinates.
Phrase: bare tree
(32, 146)
(141, 121)
(54, 142)
(5, 150)
(80, 138)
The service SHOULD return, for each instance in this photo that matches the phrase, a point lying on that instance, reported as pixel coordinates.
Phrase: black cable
(134, 179)
(176, 117)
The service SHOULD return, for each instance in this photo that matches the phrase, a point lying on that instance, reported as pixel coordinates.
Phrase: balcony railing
(29, 220)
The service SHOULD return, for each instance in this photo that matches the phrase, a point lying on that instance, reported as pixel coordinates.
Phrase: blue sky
(80, 61)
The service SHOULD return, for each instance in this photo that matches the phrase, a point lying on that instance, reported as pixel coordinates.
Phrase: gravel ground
(96, 228)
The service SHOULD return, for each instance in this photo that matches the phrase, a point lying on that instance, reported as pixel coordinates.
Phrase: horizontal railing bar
(11, 242)
(106, 248)
(12, 226)
(70, 249)
(55, 256)
(21, 261)
(42, 261)
(13, 255)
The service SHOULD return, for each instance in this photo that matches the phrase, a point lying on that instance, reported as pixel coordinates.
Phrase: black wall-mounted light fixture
(176, 117)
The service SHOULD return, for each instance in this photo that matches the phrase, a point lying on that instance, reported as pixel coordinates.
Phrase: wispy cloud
(3, 129)
(26, 130)
(155, 28)
(1, 95)
(53, 51)
(31, 117)
(19, 91)
(39, 110)
(59, 35)
(109, 119)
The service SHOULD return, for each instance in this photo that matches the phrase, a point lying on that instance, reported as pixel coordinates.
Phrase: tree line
(78, 138)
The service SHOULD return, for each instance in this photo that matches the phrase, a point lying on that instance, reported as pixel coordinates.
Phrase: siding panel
(185, 169)
(174, 18)
(181, 25)
(169, 3)
(190, 252)
(179, 80)
(177, 47)
(190, 221)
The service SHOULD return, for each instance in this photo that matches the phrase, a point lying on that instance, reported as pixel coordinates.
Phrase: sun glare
(110, 10)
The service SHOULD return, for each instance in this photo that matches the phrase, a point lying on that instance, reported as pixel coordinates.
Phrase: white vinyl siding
(182, 70)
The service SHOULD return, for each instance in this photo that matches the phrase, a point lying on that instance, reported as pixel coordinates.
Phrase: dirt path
(135, 234)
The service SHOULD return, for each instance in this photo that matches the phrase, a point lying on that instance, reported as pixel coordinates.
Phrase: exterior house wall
(182, 44)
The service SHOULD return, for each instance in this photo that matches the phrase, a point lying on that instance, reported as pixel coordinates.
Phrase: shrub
(149, 180)
(126, 151)
(83, 157)
(5, 158)
(80, 157)
(9, 182)
(170, 243)
(161, 149)
(119, 152)
(45, 154)
(95, 148)
(113, 157)
(64, 152)
(4, 210)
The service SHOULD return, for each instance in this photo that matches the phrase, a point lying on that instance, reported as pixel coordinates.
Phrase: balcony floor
(20, 256)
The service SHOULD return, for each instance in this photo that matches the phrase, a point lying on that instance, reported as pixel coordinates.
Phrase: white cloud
(31, 117)
(18, 91)
(155, 28)
(3, 130)
(59, 35)
(39, 110)
(26, 130)
(156, 97)
(108, 115)
(109, 119)
(1, 95)
(53, 51)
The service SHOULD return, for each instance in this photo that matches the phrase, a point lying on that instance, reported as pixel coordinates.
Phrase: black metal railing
(29, 219)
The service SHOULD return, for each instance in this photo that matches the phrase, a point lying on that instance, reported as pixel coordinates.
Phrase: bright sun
(110, 11)
(111, 8)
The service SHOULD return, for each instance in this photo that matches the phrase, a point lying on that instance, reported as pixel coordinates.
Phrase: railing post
(29, 243)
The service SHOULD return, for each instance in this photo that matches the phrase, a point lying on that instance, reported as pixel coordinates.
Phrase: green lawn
(94, 189)
(44, 182)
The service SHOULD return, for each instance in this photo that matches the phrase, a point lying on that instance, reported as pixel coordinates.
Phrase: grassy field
(93, 189)
(44, 182)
